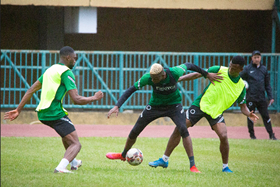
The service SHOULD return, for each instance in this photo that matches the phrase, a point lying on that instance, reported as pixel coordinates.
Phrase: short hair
(156, 69)
(238, 60)
(66, 50)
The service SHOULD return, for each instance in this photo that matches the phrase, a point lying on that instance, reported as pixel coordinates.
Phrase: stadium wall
(133, 29)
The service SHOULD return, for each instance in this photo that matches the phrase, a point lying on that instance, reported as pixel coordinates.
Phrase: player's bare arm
(113, 110)
(121, 100)
(189, 77)
(270, 102)
(211, 76)
(80, 100)
(13, 114)
(244, 109)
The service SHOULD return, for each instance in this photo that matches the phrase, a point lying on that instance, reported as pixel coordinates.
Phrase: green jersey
(165, 92)
(215, 99)
(55, 110)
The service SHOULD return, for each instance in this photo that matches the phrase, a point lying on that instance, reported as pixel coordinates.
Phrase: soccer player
(55, 83)
(165, 102)
(211, 104)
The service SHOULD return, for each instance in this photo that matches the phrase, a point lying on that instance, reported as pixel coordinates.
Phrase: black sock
(191, 161)
(124, 153)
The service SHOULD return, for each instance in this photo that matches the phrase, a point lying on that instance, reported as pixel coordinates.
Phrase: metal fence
(113, 73)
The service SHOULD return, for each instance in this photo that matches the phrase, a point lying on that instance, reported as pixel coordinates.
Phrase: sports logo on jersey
(192, 111)
(148, 107)
(165, 88)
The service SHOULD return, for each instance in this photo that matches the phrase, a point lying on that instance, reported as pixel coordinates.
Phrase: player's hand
(214, 77)
(113, 110)
(98, 95)
(270, 102)
(11, 115)
(253, 116)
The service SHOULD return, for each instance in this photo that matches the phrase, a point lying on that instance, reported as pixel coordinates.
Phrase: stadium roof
(162, 4)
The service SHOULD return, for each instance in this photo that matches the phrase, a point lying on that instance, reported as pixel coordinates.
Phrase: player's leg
(262, 108)
(178, 116)
(193, 115)
(250, 124)
(221, 131)
(182, 126)
(72, 150)
(75, 164)
(65, 128)
(173, 142)
(148, 115)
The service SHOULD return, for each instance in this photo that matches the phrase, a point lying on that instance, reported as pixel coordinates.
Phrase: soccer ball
(134, 157)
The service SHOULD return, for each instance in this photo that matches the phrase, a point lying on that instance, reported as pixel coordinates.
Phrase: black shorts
(150, 113)
(62, 126)
(194, 114)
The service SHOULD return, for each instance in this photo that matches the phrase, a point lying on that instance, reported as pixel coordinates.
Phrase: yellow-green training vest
(51, 82)
(220, 97)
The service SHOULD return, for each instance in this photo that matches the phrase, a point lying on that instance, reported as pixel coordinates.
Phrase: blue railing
(113, 73)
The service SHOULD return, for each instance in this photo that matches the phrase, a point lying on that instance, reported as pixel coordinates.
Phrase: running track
(123, 131)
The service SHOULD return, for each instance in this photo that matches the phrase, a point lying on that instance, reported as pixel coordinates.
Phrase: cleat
(227, 170)
(79, 164)
(159, 162)
(62, 171)
(253, 137)
(115, 156)
(272, 137)
(194, 169)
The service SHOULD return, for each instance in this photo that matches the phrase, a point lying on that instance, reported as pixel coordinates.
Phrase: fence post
(43, 62)
(121, 78)
(195, 82)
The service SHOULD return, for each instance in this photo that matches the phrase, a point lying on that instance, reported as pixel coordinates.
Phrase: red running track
(123, 131)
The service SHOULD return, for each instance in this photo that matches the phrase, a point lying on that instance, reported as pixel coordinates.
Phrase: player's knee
(79, 146)
(184, 132)
(133, 135)
(223, 136)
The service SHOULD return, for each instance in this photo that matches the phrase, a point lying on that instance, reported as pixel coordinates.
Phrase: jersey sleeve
(214, 69)
(178, 71)
(41, 79)
(143, 81)
(68, 79)
(242, 98)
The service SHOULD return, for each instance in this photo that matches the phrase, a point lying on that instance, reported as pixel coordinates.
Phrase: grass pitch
(31, 161)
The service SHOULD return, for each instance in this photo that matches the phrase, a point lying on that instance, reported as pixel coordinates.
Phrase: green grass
(31, 161)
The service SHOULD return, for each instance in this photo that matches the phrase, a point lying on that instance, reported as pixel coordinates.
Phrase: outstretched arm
(121, 100)
(80, 100)
(13, 114)
(189, 77)
(211, 76)
(244, 109)
(192, 76)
